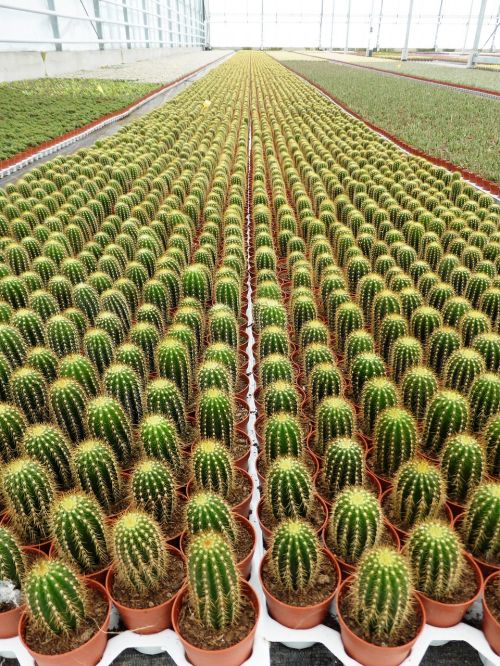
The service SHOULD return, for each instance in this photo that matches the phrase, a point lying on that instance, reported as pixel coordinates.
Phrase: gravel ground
(156, 70)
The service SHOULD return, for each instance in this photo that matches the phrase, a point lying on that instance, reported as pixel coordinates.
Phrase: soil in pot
(172, 584)
(45, 643)
(197, 634)
(492, 597)
(323, 587)
(240, 445)
(242, 487)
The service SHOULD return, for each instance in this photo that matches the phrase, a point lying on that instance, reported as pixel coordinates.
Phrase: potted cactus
(299, 578)
(491, 611)
(77, 633)
(146, 573)
(379, 613)
(216, 613)
(447, 580)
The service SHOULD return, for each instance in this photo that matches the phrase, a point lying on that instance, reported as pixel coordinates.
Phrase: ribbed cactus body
(447, 414)
(146, 336)
(98, 346)
(348, 318)
(334, 418)
(314, 354)
(488, 345)
(12, 559)
(314, 331)
(220, 352)
(418, 386)
(213, 581)
(364, 367)
(289, 489)
(12, 345)
(98, 473)
(343, 465)
(55, 597)
(153, 489)
(163, 397)
(463, 366)
(463, 464)
(212, 466)
(442, 343)
(159, 440)
(295, 555)
(78, 526)
(215, 416)
(491, 440)
(223, 326)
(133, 356)
(378, 394)
(44, 360)
(196, 282)
(67, 401)
(275, 367)
(28, 389)
(281, 396)
(484, 399)
(273, 340)
(283, 436)
(394, 440)
(62, 335)
(355, 523)
(47, 444)
(30, 325)
(382, 594)
(173, 362)
(419, 492)
(406, 353)
(123, 384)
(209, 511)
(28, 491)
(358, 342)
(106, 420)
(481, 523)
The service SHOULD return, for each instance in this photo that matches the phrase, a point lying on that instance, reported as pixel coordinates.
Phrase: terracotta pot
(440, 614)
(231, 656)
(266, 532)
(144, 620)
(244, 565)
(300, 617)
(242, 461)
(491, 626)
(367, 653)
(9, 620)
(99, 576)
(347, 569)
(243, 380)
(89, 653)
(455, 508)
(243, 507)
(486, 567)
(403, 534)
(242, 423)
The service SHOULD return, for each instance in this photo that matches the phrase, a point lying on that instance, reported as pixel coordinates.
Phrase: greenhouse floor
(154, 70)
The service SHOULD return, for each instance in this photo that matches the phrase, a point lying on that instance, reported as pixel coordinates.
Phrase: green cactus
(67, 401)
(418, 386)
(481, 523)
(98, 472)
(392, 328)
(394, 440)
(348, 318)
(325, 380)
(196, 282)
(111, 323)
(381, 594)
(148, 313)
(364, 367)
(484, 399)
(411, 299)
(56, 598)
(314, 331)
(159, 440)
(44, 360)
(223, 326)
(424, 321)
(343, 465)
(43, 303)
(334, 418)
(419, 493)
(212, 467)
(145, 336)
(283, 436)
(295, 555)
(463, 464)
(386, 302)
(472, 324)
(153, 490)
(442, 343)
(12, 345)
(281, 397)
(12, 558)
(28, 389)
(216, 416)
(14, 292)
(355, 523)
(275, 367)
(122, 383)
(107, 420)
(289, 489)
(226, 355)
(476, 286)
(173, 362)
(207, 510)
(132, 355)
(358, 342)
(213, 581)
(462, 368)
(163, 397)
(491, 442)
(212, 374)
(78, 526)
(86, 298)
(490, 305)
(435, 554)
(82, 370)
(30, 325)
(488, 345)
(28, 492)
(369, 286)
(446, 415)
(455, 309)
(273, 340)
(62, 336)
(47, 444)
(98, 346)
(378, 394)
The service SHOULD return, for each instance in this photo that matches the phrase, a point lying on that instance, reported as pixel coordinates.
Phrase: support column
(54, 24)
(477, 36)
(262, 25)
(377, 43)
(404, 52)
(98, 24)
(160, 24)
(348, 25)
(127, 26)
(370, 30)
(331, 26)
(438, 25)
(320, 25)
(145, 20)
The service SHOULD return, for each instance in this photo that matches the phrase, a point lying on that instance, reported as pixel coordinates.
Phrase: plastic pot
(231, 656)
(367, 653)
(244, 565)
(9, 620)
(145, 620)
(440, 614)
(491, 626)
(300, 617)
(89, 653)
